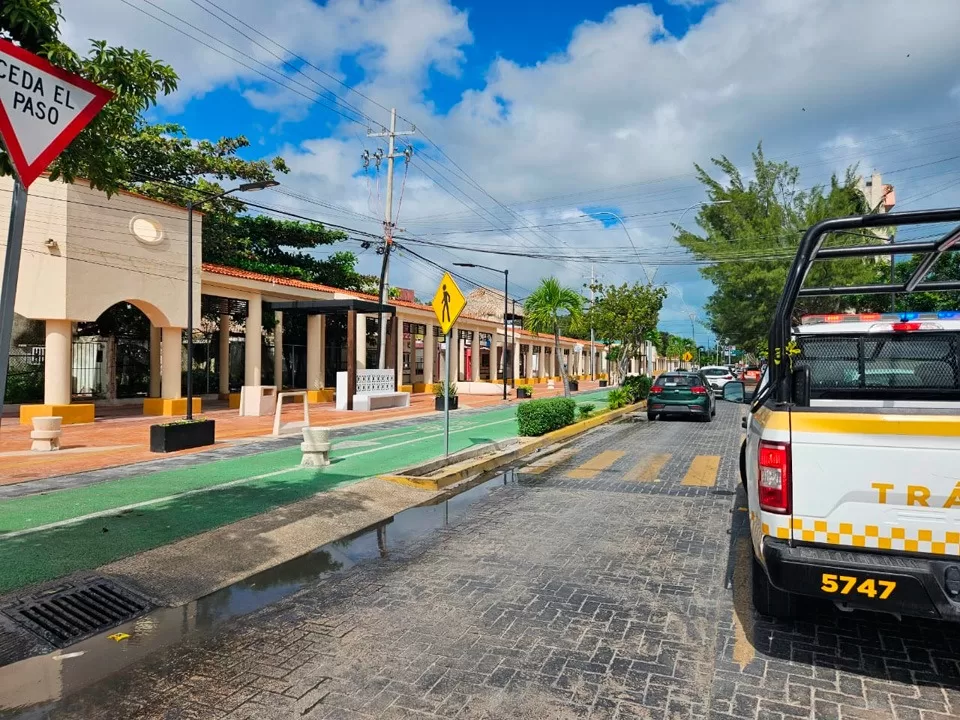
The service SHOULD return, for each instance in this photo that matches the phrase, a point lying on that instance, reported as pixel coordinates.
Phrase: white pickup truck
(851, 461)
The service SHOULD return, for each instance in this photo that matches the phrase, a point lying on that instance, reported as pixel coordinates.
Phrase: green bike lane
(49, 535)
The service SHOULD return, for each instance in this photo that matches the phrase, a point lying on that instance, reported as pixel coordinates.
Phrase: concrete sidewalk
(125, 440)
(82, 526)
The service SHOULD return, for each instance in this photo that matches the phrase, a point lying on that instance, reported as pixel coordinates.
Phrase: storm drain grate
(70, 613)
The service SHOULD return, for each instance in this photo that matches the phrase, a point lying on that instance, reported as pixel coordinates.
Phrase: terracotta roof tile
(304, 285)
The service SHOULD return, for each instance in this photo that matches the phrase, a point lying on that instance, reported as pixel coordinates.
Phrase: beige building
(84, 252)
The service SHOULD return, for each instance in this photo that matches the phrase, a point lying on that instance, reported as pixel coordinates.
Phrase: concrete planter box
(181, 436)
(603, 383)
(454, 403)
(522, 394)
(574, 386)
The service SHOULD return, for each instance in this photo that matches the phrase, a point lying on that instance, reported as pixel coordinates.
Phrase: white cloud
(624, 106)
(391, 37)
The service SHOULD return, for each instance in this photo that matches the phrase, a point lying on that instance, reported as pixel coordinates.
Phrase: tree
(678, 346)
(624, 315)
(544, 309)
(946, 269)
(120, 150)
(752, 230)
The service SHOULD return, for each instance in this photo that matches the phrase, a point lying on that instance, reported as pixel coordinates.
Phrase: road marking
(595, 465)
(703, 471)
(648, 470)
(551, 461)
(221, 486)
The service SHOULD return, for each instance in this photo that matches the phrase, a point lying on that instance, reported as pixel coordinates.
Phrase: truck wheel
(743, 464)
(768, 600)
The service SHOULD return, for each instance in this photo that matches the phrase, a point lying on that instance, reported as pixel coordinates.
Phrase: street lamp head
(254, 186)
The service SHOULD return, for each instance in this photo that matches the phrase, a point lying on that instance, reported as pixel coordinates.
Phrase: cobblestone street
(610, 580)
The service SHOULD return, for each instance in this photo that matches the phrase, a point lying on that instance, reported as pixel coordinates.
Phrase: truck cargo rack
(811, 249)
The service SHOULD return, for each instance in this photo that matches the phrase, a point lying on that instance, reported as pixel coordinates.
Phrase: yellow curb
(462, 470)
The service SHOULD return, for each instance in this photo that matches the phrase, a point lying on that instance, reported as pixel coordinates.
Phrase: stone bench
(45, 435)
(315, 447)
(380, 400)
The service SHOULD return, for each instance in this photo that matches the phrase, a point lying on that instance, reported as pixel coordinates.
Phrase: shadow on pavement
(866, 644)
(56, 552)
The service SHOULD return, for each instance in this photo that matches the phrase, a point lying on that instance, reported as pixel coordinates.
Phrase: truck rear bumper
(921, 587)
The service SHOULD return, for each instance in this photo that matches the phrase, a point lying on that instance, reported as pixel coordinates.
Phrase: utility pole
(388, 226)
(593, 360)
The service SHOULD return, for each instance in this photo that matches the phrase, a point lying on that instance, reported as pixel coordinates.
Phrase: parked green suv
(681, 393)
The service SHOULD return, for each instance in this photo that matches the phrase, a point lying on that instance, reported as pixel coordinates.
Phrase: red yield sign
(42, 108)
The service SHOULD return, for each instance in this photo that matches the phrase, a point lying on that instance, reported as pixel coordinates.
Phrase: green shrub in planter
(618, 398)
(524, 391)
(586, 410)
(438, 402)
(538, 417)
(638, 386)
(181, 435)
(438, 389)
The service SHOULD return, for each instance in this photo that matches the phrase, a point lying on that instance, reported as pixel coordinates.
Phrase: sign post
(448, 303)
(42, 109)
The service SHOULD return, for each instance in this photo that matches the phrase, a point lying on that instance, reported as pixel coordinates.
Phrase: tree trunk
(563, 362)
(110, 365)
(623, 362)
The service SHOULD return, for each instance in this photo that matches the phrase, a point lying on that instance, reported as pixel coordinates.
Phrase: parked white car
(717, 376)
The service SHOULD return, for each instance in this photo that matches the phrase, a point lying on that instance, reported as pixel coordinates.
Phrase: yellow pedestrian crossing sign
(687, 356)
(448, 303)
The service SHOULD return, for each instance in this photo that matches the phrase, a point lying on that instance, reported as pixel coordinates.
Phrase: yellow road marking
(541, 466)
(648, 470)
(592, 467)
(703, 471)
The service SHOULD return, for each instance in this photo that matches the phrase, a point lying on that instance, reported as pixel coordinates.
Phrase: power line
(302, 59)
(275, 55)
(312, 98)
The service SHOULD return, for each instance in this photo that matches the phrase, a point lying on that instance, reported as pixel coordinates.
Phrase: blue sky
(531, 114)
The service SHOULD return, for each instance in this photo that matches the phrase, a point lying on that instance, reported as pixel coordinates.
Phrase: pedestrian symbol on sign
(448, 303)
(445, 315)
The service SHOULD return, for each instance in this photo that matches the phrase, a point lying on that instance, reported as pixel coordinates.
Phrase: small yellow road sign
(448, 303)
(687, 356)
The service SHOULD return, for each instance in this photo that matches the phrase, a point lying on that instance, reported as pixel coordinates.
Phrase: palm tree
(543, 310)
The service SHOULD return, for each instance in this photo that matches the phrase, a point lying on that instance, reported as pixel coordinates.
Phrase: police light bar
(904, 317)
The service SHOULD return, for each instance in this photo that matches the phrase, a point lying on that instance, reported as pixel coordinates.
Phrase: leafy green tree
(947, 268)
(624, 315)
(544, 309)
(677, 346)
(120, 150)
(752, 229)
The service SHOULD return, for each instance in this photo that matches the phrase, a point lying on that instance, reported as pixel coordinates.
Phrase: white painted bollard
(46, 434)
(315, 447)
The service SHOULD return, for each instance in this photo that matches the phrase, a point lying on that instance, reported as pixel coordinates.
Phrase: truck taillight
(773, 480)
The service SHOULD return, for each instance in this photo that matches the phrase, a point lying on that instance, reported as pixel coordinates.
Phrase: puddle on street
(30, 688)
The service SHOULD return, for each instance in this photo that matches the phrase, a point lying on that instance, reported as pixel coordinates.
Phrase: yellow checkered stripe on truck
(884, 537)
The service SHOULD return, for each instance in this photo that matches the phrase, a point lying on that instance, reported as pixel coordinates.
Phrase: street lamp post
(245, 187)
(701, 204)
(629, 237)
(513, 337)
(506, 288)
